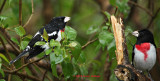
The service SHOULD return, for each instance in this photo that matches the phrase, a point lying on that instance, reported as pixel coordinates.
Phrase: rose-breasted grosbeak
(53, 29)
(144, 51)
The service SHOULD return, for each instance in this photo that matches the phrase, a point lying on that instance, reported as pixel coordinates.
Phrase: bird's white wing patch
(53, 33)
(37, 33)
(27, 48)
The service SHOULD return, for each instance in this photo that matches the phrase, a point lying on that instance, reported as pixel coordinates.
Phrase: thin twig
(44, 75)
(89, 42)
(9, 77)
(155, 15)
(30, 15)
(6, 66)
(34, 71)
(8, 38)
(6, 51)
(2, 6)
(42, 70)
(5, 48)
(23, 75)
(146, 10)
(20, 12)
(27, 64)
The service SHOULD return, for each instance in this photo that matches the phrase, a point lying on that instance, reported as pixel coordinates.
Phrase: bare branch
(153, 17)
(8, 38)
(146, 10)
(120, 40)
(13, 71)
(20, 12)
(43, 77)
(89, 42)
(25, 25)
(2, 6)
(22, 75)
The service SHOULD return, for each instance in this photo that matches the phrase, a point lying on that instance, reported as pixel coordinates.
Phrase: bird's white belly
(59, 36)
(147, 64)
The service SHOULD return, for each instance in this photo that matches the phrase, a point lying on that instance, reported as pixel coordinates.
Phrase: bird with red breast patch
(144, 50)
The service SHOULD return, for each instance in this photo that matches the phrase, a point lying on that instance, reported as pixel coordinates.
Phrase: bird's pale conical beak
(66, 19)
(135, 33)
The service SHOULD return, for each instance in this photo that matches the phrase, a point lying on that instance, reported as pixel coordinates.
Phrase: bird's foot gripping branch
(124, 71)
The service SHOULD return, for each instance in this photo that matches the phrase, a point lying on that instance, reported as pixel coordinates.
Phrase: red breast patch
(62, 30)
(144, 47)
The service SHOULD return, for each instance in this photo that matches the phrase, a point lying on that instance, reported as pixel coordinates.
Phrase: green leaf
(77, 68)
(112, 2)
(2, 80)
(9, 2)
(105, 38)
(1, 71)
(111, 50)
(104, 28)
(40, 43)
(58, 51)
(48, 51)
(63, 35)
(54, 69)
(123, 7)
(3, 18)
(76, 50)
(82, 57)
(128, 30)
(67, 69)
(73, 44)
(6, 26)
(108, 15)
(29, 36)
(15, 40)
(45, 35)
(20, 31)
(54, 43)
(92, 29)
(24, 44)
(56, 58)
(71, 33)
(4, 58)
(83, 70)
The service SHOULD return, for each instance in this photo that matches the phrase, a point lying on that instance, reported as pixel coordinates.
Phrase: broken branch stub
(118, 35)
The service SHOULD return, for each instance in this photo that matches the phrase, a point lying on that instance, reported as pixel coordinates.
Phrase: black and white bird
(53, 29)
(144, 50)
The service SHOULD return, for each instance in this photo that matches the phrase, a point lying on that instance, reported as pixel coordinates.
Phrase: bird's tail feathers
(19, 56)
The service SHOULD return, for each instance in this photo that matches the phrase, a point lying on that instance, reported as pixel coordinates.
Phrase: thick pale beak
(66, 19)
(135, 33)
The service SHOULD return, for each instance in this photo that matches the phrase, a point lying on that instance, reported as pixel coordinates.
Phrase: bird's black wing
(38, 35)
(35, 39)
(35, 50)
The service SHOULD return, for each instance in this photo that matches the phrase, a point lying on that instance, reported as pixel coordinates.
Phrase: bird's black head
(59, 22)
(143, 36)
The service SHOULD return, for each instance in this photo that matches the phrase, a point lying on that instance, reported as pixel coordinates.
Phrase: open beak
(135, 33)
(66, 19)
